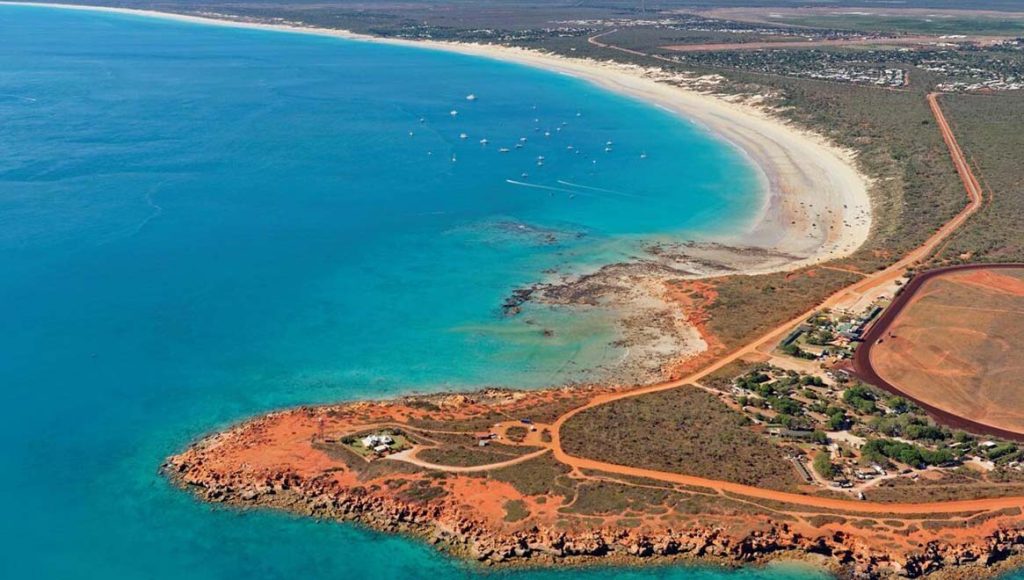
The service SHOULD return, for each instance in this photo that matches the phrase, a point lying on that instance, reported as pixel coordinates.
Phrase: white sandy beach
(815, 205)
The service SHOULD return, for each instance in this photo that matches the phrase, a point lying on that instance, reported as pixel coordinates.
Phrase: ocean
(200, 223)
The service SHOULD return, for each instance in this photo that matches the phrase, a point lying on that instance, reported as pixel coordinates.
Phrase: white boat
(484, 141)
(519, 145)
(503, 150)
(453, 113)
(524, 175)
(540, 158)
(453, 158)
(608, 144)
(470, 97)
(570, 147)
(547, 133)
(463, 136)
(643, 155)
(410, 133)
(522, 139)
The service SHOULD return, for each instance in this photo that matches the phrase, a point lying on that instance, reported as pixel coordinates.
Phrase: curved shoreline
(815, 203)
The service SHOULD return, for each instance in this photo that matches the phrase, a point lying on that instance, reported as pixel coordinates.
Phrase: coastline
(815, 206)
(815, 202)
(492, 515)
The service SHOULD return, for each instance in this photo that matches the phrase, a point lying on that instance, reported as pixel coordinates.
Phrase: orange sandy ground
(957, 346)
(283, 443)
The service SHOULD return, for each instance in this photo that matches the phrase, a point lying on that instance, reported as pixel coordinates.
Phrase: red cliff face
(272, 462)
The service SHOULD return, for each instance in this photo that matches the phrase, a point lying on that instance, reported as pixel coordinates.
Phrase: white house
(376, 440)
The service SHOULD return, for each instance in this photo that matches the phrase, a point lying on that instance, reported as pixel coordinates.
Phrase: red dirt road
(870, 283)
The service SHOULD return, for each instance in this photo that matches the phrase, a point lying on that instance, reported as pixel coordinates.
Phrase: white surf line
(592, 188)
(547, 187)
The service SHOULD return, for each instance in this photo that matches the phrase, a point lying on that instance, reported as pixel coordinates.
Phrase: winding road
(871, 284)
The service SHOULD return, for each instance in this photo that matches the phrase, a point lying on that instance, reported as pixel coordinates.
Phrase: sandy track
(857, 290)
(785, 44)
(409, 456)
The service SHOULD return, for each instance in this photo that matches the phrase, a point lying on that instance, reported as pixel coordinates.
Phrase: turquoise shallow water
(198, 224)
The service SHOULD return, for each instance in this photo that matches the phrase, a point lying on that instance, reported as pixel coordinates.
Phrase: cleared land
(955, 346)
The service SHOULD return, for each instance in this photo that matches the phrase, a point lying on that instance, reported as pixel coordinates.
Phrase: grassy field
(683, 430)
(990, 129)
(749, 306)
(956, 346)
(1002, 25)
(472, 455)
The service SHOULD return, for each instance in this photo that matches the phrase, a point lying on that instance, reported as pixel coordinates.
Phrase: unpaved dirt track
(871, 282)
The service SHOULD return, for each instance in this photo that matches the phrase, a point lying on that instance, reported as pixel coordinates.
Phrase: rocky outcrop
(442, 524)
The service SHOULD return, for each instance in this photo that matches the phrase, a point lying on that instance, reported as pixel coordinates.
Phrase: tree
(837, 421)
(823, 465)
(861, 398)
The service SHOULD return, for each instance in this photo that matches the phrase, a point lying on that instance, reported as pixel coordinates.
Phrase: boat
(569, 147)
(547, 133)
(503, 150)
(524, 175)
(453, 113)
(410, 133)
(463, 136)
(484, 141)
(522, 139)
(608, 144)
(453, 158)
(470, 97)
(519, 145)
(643, 155)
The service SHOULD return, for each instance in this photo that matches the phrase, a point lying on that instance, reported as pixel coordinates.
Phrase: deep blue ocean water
(198, 224)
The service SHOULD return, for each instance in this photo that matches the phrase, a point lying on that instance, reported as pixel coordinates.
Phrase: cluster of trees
(823, 465)
(860, 398)
(910, 426)
(795, 351)
(880, 450)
